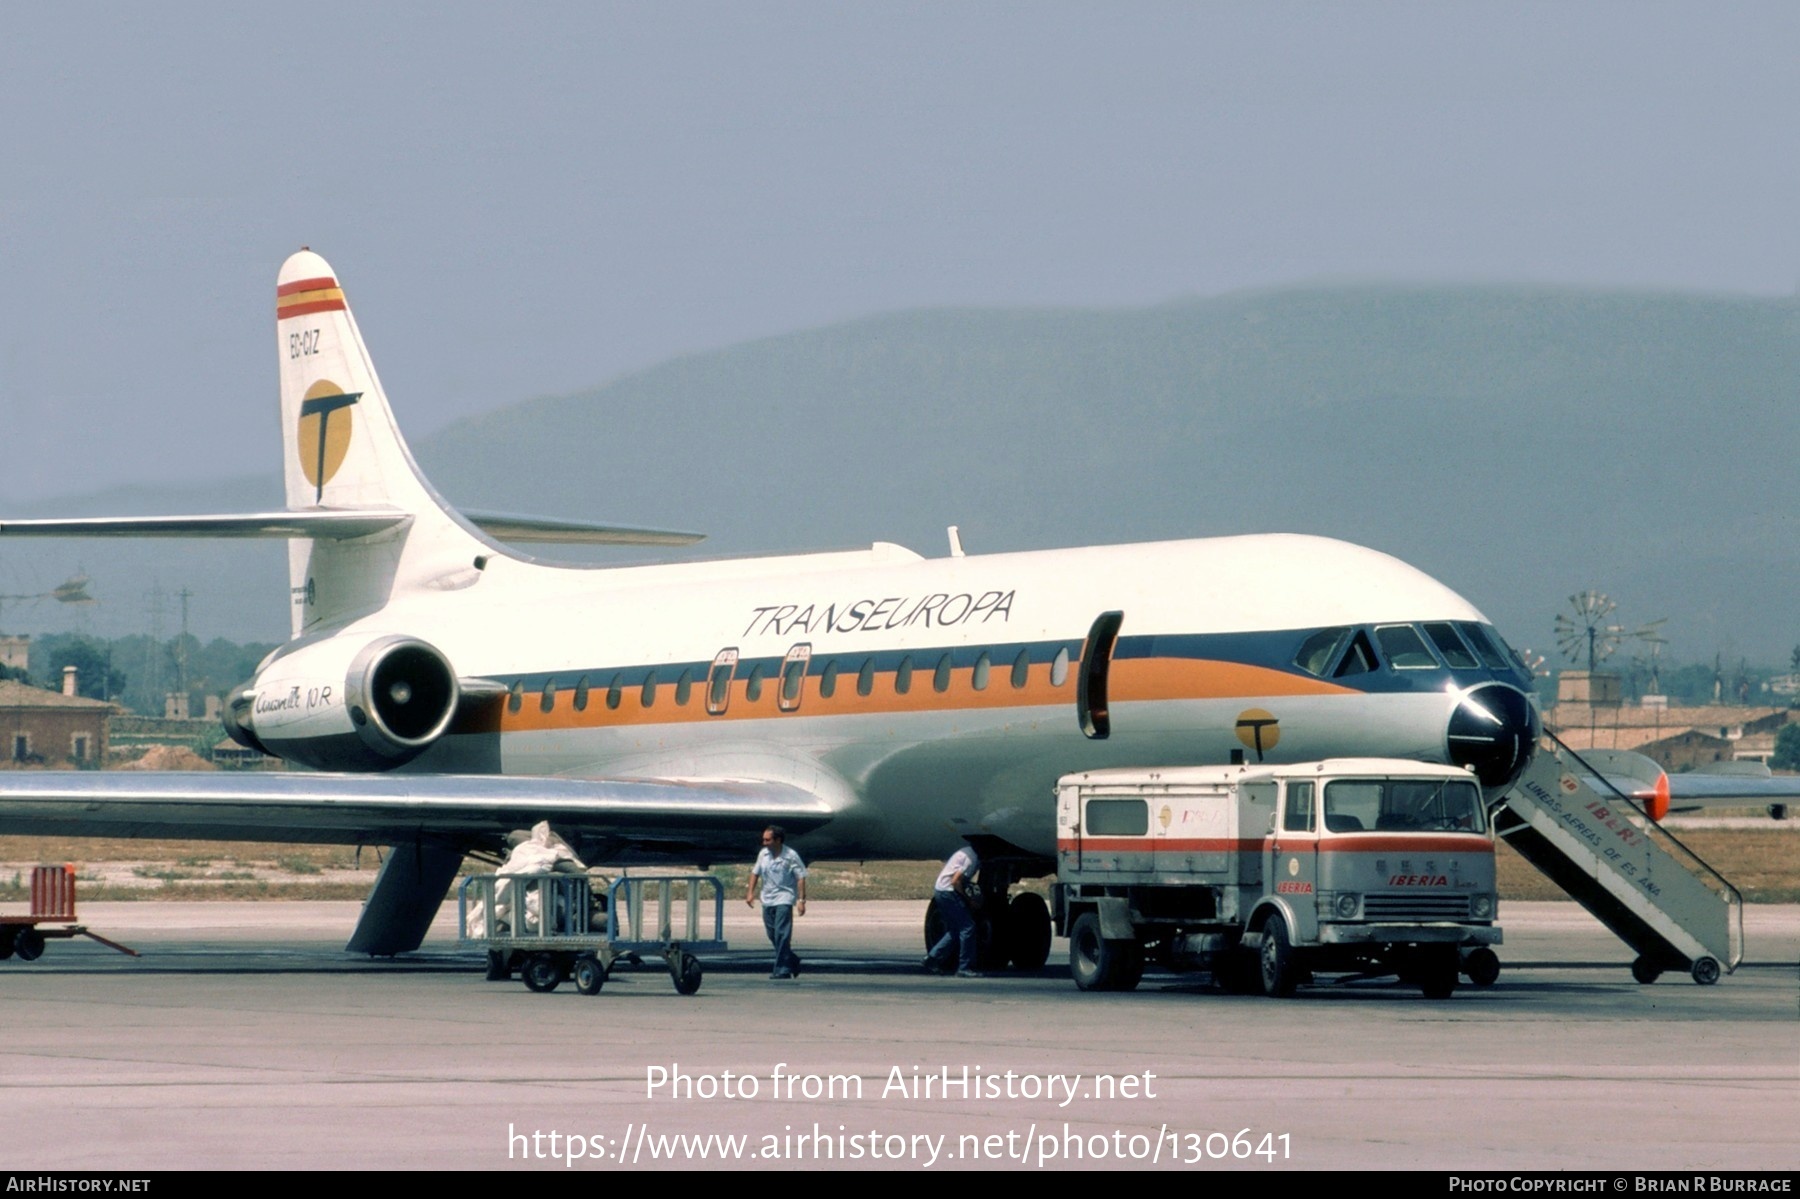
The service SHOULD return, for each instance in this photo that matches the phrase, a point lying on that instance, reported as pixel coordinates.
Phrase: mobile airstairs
(1626, 869)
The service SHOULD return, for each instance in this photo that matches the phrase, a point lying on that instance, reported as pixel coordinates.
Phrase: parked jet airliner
(442, 689)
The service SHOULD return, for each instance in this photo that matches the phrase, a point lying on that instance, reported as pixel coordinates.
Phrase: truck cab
(1269, 875)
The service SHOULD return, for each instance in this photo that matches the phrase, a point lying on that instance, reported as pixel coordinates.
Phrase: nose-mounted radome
(1493, 731)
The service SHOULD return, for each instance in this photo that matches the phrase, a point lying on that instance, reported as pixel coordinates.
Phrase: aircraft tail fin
(342, 449)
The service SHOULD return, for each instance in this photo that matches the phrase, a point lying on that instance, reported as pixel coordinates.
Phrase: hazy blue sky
(538, 199)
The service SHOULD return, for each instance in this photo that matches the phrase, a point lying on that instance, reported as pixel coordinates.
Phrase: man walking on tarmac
(783, 877)
(952, 900)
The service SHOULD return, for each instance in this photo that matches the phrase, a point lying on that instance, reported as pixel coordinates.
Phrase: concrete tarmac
(245, 1038)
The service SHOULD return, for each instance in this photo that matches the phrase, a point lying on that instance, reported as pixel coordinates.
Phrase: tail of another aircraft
(342, 450)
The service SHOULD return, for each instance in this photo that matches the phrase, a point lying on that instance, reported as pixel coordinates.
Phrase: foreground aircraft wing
(1722, 785)
(459, 811)
(339, 524)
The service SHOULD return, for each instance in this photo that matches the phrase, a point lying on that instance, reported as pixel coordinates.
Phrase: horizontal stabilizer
(506, 527)
(340, 524)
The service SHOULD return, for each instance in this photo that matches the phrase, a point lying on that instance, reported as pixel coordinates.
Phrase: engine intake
(347, 703)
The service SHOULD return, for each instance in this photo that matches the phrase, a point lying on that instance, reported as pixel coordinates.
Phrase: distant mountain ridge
(1520, 443)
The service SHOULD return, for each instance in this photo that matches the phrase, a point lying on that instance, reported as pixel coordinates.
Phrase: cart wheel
(1645, 970)
(542, 972)
(1706, 970)
(499, 969)
(686, 972)
(590, 975)
(28, 943)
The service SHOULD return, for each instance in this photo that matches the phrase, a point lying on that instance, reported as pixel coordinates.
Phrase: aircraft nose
(1494, 731)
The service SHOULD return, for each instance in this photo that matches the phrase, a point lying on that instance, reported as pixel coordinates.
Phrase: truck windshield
(1403, 805)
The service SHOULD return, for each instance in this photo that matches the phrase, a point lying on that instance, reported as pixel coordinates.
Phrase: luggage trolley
(52, 900)
(550, 927)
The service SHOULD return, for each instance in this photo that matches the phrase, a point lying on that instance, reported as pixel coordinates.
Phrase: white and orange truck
(1269, 875)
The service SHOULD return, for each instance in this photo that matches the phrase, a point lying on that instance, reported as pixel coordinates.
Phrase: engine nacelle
(347, 703)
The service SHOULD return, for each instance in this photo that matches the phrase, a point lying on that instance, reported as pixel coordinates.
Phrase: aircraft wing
(338, 524)
(463, 811)
(1722, 785)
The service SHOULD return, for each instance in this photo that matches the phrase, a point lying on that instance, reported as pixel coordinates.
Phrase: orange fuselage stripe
(1131, 680)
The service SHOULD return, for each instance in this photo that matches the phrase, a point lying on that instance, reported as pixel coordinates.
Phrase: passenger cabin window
(516, 698)
(615, 691)
(684, 687)
(1116, 818)
(581, 693)
(903, 676)
(828, 679)
(865, 678)
(978, 678)
(1404, 649)
(940, 678)
(1443, 635)
(647, 696)
(547, 702)
(1021, 671)
(753, 683)
(1297, 816)
(1059, 667)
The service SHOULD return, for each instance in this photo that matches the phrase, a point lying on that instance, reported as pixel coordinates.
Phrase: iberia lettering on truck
(1268, 875)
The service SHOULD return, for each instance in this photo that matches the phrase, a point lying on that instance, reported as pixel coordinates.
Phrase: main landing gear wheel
(1482, 966)
(1276, 960)
(590, 975)
(1098, 964)
(1645, 970)
(542, 972)
(28, 943)
(1028, 931)
(1706, 971)
(685, 973)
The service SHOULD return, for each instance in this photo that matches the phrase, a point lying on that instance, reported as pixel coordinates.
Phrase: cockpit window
(1403, 648)
(1443, 635)
(1484, 641)
(1317, 651)
(1359, 657)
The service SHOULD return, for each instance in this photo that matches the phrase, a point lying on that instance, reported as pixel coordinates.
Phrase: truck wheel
(1437, 974)
(1028, 931)
(29, 945)
(1279, 978)
(1094, 962)
(498, 968)
(590, 975)
(1706, 970)
(1645, 970)
(542, 972)
(6, 943)
(1482, 966)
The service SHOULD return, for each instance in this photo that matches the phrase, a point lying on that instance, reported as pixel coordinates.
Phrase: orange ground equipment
(52, 904)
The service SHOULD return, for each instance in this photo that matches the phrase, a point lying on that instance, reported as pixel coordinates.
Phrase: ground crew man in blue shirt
(783, 877)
